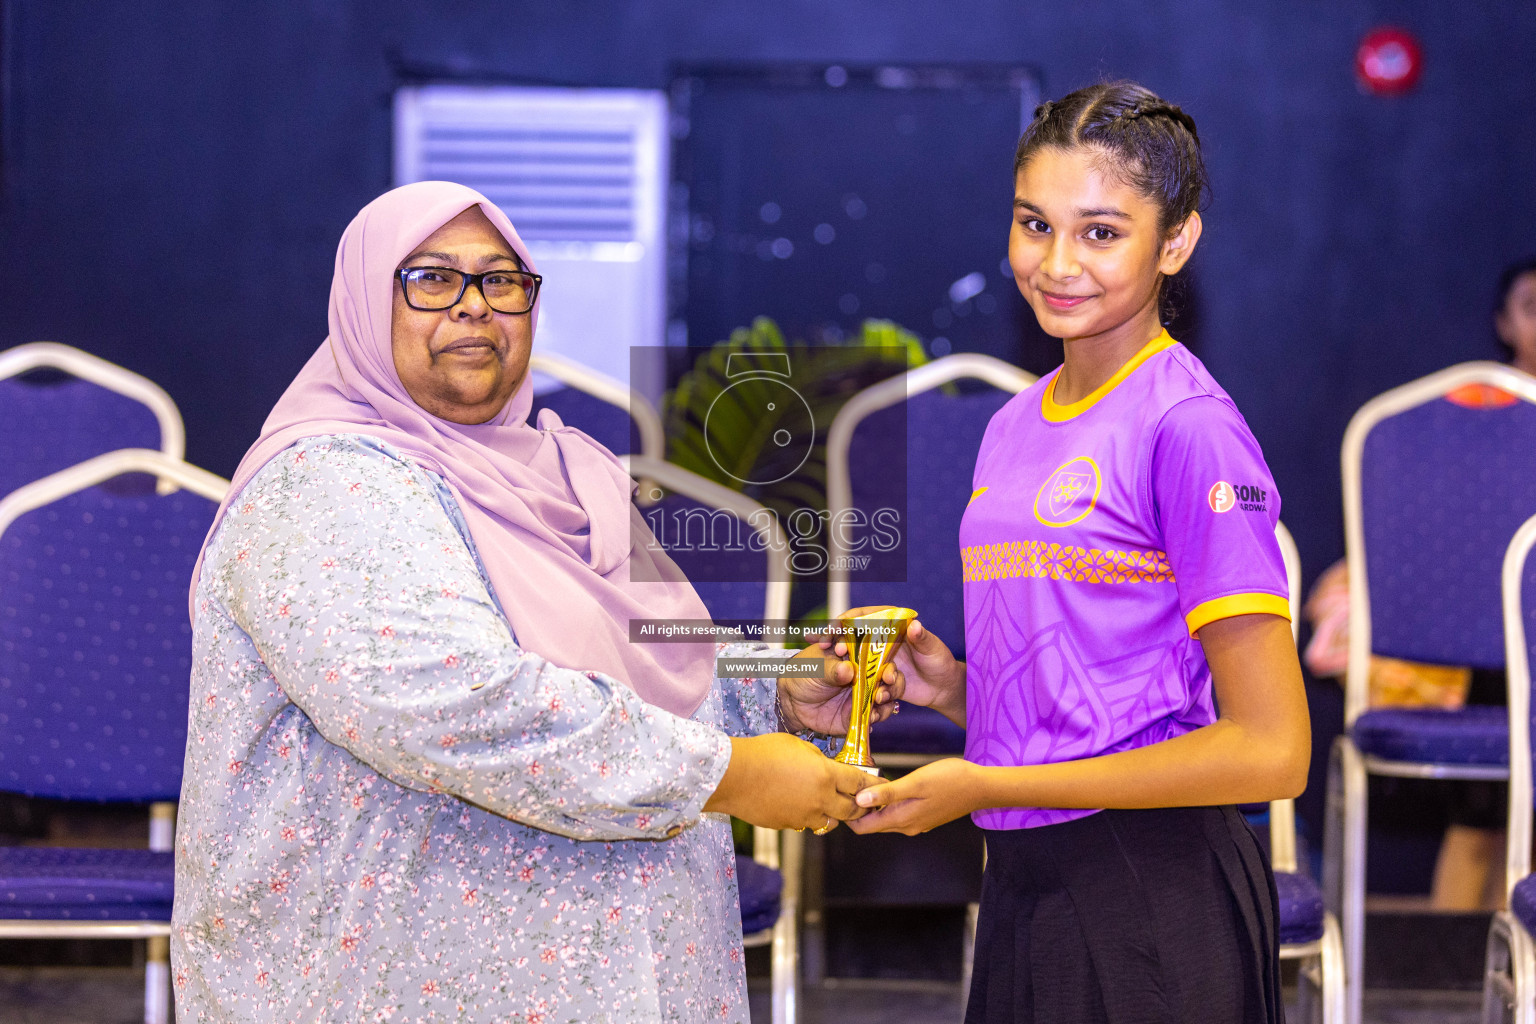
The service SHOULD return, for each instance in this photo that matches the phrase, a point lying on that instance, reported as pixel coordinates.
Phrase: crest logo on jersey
(1070, 493)
(1223, 498)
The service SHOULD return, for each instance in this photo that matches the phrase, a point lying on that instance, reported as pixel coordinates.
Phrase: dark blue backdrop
(175, 176)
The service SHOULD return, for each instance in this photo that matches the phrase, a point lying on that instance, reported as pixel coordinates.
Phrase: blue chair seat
(917, 730)
(54, 883)
(1301, 908)
(761, 888)
(1477, 734)
(1522, 902)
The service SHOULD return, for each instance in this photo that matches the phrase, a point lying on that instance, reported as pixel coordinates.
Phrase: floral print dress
(391, 812)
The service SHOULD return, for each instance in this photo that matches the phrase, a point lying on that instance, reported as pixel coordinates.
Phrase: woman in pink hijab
(428, 777)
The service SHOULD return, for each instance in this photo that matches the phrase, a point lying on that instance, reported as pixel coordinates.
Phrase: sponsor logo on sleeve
(1224, 497)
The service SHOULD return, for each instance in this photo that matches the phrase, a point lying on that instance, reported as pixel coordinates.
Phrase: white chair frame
(576, 375)
(707, 492)
(175, 474)
(1322, 960)
(1001, 375)
(1509, 980)
(961, 366)
(782, 851)
(52, 355)
(1345, 842)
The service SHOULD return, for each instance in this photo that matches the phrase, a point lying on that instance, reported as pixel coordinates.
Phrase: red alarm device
(1389, 61)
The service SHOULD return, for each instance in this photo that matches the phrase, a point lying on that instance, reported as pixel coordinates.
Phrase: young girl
(1122, 584)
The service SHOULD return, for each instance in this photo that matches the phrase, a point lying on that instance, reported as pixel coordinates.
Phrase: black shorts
(1128, 917)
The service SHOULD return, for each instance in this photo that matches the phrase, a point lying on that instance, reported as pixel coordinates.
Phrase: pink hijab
(548, 507)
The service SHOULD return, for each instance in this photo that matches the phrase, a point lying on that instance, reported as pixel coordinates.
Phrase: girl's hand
(934, 678)
(822, 701)
(926, 798)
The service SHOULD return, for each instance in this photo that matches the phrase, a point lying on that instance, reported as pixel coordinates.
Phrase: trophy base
(867, 769)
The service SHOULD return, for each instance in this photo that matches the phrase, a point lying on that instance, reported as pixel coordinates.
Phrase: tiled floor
(114, 995)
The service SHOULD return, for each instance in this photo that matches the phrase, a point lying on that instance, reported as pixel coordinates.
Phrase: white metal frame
(52, 355)
(989, 369)
(1345, 839)
(782, 851)
(171, 473)
(1509, 980)
(1001, 375)
(1321, 976)
(583, 378)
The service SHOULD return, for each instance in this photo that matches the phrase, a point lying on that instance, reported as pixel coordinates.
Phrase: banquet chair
(1509, 980)
(95, 655)
(604, 408)
(738, 587)
(1308, 931)
(1433, 492)
(96, 408)
(941, 433)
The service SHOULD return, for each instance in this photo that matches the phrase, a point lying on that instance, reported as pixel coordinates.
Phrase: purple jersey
(1100, 537)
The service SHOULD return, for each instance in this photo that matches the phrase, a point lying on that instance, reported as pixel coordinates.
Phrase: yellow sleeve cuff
(1237, 604)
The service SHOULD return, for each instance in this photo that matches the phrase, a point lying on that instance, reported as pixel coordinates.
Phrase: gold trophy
(877, 633)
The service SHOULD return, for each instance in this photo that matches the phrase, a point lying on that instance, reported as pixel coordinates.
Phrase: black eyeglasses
(431, 289)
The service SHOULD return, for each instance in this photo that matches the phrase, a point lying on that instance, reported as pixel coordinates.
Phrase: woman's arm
(1257, 749)
(363, 601)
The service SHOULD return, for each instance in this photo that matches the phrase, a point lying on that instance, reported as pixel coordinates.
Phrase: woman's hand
(822, 701)
(922, 799)
(778, 781)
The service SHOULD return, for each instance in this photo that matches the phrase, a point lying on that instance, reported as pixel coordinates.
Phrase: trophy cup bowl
(877, 633)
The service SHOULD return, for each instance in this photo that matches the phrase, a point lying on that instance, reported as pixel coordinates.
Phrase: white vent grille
(567, 165)
(582, 174)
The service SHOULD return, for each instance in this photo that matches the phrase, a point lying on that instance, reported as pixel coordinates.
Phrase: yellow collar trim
(1054, 413)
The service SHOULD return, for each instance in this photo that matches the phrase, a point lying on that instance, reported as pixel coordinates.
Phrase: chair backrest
(709, 532)
(99, 407)
(95, 646)
(1282, 813)
(1433, 491)
(933, 436)
(599, 405)
(1518, 593)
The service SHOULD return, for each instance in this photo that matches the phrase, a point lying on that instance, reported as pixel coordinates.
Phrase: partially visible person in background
(1514, 317)
(1469, 872)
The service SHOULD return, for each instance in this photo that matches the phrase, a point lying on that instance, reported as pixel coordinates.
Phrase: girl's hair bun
(1153, 142)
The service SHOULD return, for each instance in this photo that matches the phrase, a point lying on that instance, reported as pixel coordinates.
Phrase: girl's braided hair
(1152, 144)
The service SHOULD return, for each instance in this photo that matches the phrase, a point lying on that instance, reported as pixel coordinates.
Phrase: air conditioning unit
(582, 173)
